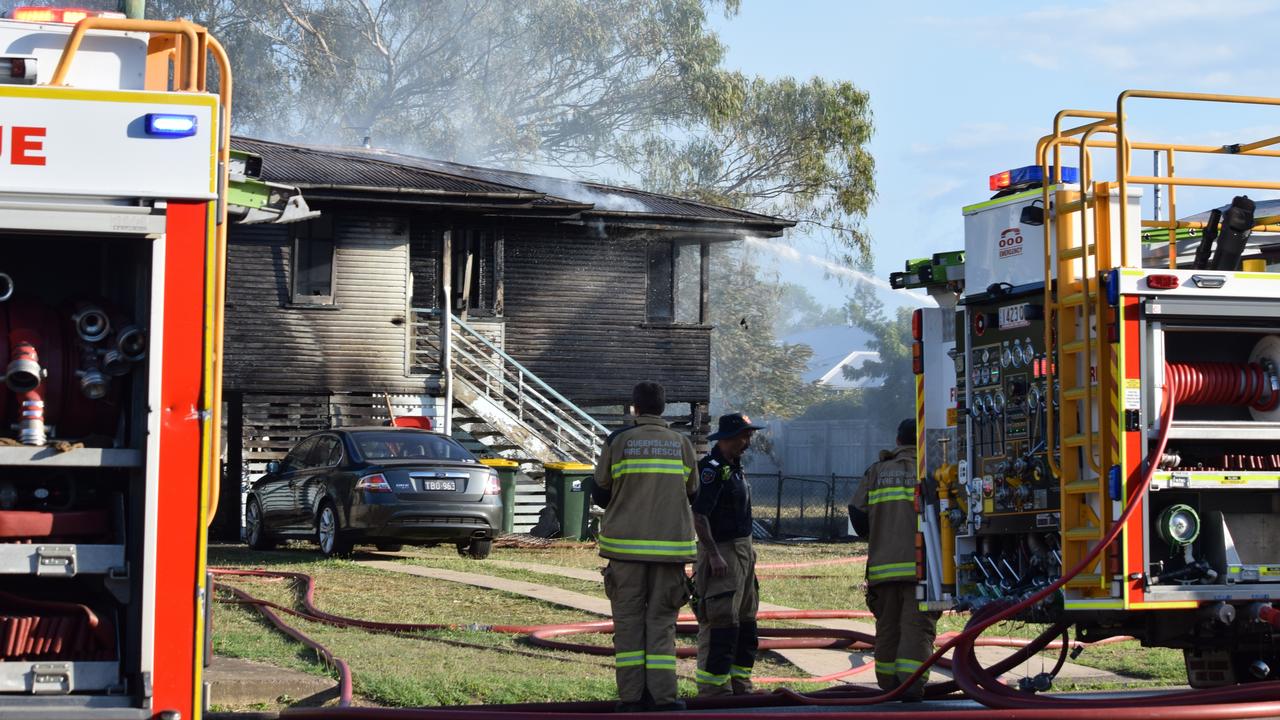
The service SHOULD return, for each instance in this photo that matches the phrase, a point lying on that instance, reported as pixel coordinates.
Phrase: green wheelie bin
(567, 493)
(507, 481)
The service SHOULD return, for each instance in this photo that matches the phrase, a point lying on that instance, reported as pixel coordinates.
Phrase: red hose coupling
(1265, 613)
(24, 373)
(31, 427)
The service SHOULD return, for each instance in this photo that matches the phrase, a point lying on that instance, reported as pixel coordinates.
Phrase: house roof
(834, 348)
(363, 172)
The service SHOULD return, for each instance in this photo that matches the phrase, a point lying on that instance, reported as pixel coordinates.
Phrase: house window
(313, 267)
(474, 255)
(660, 299)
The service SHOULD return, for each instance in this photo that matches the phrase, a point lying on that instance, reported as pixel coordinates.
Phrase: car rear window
(409, 446)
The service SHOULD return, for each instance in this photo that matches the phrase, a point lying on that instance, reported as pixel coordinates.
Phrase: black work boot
(629, 707)
(669, 707)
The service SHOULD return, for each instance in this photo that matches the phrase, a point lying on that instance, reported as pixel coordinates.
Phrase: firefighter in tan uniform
(725, 574)
(644, 479)
(883, 511)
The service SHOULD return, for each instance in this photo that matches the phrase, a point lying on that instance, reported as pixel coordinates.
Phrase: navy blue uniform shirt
(724, 497)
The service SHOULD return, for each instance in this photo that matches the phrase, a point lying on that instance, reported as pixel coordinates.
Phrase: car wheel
(329, 533)
(479, 549)
(255, 534)
(389, 547)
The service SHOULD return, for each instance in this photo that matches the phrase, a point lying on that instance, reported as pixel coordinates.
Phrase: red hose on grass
(1194, 385)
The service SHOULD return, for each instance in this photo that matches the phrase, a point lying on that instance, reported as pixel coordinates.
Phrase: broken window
(660, 302)
(313, 266)
(474, 276)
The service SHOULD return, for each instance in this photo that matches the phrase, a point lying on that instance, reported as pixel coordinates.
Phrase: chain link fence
(802, 506)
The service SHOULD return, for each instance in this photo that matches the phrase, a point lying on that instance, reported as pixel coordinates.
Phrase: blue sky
(961, 90)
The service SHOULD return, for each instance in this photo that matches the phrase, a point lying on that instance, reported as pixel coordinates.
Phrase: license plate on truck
(1014, 316)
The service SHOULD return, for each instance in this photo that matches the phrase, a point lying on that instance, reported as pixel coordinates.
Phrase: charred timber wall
(355, 345)
(575, 316)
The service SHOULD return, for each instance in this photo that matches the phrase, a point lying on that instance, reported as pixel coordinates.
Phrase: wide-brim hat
(733, 424)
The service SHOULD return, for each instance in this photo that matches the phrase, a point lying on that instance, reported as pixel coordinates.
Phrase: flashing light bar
(166, 125)
(69, 16)
(1029, 174)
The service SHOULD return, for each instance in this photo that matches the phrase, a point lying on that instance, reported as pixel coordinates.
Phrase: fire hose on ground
(1192, 383)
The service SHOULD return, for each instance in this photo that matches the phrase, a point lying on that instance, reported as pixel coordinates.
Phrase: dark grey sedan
(384, 486)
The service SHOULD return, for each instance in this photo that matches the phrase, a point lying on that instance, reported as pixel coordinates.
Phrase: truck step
(1083, 533)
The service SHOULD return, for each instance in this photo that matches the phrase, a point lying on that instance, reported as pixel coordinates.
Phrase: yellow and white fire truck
(112, 237)
(1098, 397)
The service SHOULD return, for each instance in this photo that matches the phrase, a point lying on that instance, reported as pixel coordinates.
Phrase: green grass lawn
(468, 666)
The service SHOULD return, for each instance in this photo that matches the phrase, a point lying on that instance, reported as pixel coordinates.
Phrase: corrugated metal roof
(368, 170)
(301, 165)
(606, 199)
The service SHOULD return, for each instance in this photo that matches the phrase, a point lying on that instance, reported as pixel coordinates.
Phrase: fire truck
(113, 159)
(1098, 400)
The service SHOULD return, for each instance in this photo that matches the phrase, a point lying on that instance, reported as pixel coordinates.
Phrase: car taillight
(374, 483)
(491, 485)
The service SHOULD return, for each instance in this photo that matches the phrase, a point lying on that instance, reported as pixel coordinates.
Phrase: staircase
(499, 404)
(1083, 363)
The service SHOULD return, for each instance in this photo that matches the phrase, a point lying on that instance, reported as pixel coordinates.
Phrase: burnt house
(514, 310)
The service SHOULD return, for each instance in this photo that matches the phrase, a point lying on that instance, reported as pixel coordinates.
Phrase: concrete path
(814, 662)
(567, 598)
(237, 683)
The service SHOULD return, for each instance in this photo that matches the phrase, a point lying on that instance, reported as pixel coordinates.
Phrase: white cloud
(1149, 42)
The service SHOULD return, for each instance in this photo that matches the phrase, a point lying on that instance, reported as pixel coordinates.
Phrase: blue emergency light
(167, 125)
(1029, 174)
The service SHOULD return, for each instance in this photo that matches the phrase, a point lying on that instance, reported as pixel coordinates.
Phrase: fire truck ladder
(1081, 359)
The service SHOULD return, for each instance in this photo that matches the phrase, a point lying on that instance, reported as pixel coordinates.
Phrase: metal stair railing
(526, 399)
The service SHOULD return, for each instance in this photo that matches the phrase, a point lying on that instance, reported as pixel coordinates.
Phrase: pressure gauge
(985, 356)
(977, 376)
(985, 374)
(995, 374)
(1016, 351)
(997, 403)
(1006, 357)
(1033, 399)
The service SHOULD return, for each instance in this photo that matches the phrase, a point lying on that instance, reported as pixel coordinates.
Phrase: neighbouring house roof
(371, 174)
(834, 348)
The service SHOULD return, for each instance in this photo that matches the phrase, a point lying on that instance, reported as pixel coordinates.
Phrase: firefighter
(883, 511)
(644, 479)
(725, 573)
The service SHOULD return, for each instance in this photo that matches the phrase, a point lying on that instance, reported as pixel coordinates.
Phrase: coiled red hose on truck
(1220, 383)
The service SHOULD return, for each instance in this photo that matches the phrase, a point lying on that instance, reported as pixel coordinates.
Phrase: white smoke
(571, 190)
(790, 253)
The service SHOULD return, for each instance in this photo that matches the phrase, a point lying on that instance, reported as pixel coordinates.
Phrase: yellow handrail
(220, 263)
(196, 46)
(1123, 159)
(1086, 184)
(187, 30)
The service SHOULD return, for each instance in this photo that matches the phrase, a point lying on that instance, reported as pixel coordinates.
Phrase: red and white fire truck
(1099, 396)
(112, 244)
